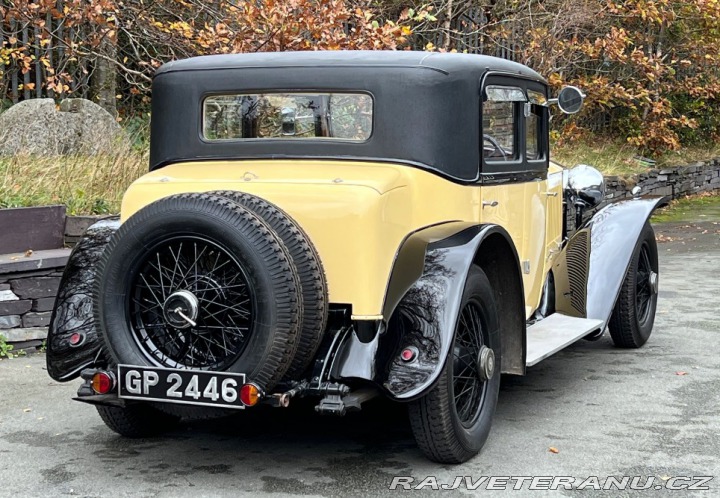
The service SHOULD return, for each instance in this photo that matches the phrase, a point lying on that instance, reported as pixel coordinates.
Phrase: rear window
(292, 116)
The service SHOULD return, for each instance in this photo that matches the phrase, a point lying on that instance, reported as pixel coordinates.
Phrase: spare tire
(310, 270)
(197, 281)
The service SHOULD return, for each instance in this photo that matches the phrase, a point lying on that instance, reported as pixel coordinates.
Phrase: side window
(533, 123)
(500, 138)
(532, 144)
(498, 131)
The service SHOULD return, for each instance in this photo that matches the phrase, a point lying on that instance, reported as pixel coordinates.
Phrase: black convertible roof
(426, 105)
(468, 64)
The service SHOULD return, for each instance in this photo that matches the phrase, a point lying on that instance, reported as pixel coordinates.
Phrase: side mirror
(587, 184)
(570, 100)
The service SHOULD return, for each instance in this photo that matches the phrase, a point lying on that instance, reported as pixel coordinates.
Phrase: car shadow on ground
(380, 427)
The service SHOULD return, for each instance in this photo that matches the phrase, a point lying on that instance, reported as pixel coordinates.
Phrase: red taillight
(102, 383)
(249, 394)
(408, 354)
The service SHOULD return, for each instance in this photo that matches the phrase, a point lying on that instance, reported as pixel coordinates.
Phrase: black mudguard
(423, 298)
(73, 313)
(591, 269)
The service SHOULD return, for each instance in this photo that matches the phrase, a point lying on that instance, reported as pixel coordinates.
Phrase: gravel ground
(607, 412)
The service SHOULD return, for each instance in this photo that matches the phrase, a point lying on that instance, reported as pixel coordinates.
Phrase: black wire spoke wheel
(197, 281)
(468, 385)
(191, 305)
(452, 421)
(643, 285)
(633, 316)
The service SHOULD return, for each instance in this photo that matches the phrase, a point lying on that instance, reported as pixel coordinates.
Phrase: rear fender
(592, 266)
(73, 313)
(423, 299)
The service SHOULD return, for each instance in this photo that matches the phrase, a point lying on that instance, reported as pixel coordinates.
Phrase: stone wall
(676, 182)
(28, 284)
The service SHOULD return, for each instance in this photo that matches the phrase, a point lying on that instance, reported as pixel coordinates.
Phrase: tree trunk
(446, 26)
(104, 76)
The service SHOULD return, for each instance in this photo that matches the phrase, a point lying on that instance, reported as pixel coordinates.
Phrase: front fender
(614, 232)
(73, 312)
(596, 258)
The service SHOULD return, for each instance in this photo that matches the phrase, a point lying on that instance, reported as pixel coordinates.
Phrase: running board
(550, 335)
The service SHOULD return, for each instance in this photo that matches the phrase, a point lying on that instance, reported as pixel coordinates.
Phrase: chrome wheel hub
(181, 309)
(486, 363)
(653, 281)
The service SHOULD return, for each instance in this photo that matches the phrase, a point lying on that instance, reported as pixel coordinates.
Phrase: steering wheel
(498, 150)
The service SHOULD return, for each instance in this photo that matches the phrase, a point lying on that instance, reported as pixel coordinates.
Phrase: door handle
(551, 194)
(489, 203)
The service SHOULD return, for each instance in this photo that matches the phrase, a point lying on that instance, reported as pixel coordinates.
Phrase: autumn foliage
(69, 39)
(650, 68)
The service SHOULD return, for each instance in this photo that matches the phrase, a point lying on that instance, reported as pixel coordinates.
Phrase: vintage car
(343, 225)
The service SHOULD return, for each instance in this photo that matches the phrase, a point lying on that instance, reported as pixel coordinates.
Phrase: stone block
(38, 263)
(8, 295)
(27, 346)
(43, 304)
(75, 226)
(24, 334)
(37, 126)
(33, 319)
(36, 287)
(10, 321)
(15, 307)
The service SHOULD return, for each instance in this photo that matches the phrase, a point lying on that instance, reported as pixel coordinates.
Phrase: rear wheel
(633, 317)
(452, 422)
(196, 281)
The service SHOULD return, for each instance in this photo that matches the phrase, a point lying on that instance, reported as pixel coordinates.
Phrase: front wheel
(452, 422)
(634, 314)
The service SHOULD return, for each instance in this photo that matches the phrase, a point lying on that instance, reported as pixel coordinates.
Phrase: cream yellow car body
(359, 213)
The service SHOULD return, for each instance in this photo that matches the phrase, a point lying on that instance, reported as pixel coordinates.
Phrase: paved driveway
(606, 411)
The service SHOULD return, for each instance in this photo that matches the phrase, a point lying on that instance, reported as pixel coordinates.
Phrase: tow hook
(278, 400)
(282, 400)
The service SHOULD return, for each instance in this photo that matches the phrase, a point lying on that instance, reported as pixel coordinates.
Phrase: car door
(514, 172)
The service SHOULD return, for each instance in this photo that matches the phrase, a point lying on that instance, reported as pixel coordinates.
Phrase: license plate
(187, 387)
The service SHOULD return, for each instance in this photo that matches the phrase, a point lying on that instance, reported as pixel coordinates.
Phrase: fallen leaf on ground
(27, 410)
(681, 373)
(553, 449)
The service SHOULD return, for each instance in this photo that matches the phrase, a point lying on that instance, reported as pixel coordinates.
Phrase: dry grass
(95, 184)
(621, 159)
(85, 184)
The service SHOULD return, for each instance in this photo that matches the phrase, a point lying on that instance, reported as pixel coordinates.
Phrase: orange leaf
(553, 449)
